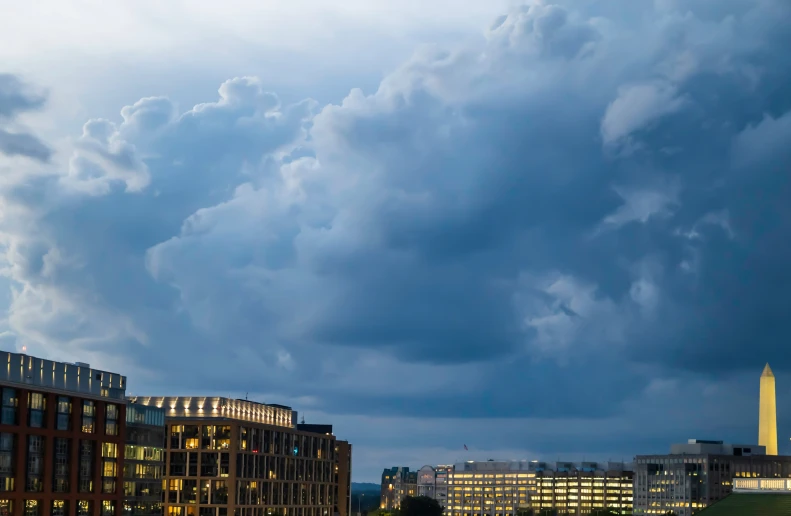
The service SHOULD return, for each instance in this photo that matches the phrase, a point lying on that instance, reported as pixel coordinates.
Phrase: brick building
(62, 432)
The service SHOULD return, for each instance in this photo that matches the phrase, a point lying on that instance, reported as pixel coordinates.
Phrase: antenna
(245, 396)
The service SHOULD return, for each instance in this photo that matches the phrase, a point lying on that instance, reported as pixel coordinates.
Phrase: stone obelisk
(767, 412)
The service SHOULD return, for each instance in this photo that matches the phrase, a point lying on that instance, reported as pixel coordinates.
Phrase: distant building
(502, 488)
(397, 484)
(144, 460)
(62, 433)
(489, 488)
(576, 489)
(433, 483)
(698, 473)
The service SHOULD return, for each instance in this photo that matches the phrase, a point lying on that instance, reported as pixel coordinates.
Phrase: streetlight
(359, 505)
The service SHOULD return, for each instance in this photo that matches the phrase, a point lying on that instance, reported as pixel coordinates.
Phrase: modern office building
(62, 435)
(577, 489)
(767, 412)
(229, 457)
(503, 488)
(698, 473)
(144, 460)
(397, 484)
(432, 481)
(489, 488)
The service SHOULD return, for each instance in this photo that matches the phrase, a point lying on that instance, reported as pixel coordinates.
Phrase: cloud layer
(586, 212)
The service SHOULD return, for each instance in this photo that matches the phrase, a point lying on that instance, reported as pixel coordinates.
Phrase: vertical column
(21, 452)
(75, 431)
(120, 440)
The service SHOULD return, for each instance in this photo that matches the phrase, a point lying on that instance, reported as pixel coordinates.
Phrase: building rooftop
(539, 466)
(708, 447)
(78, 378)
(200, 407)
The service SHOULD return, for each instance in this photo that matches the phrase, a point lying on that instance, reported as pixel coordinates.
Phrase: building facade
(696, 474)
(504, 488)
(489, 488)
(240, 458)
(577, 489)
(144, 460)
(432, 481)
(397, 484)
(62, 435)
(343, 477)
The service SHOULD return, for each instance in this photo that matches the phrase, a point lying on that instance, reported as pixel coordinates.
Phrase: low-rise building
(503, 488)
(577, 489)
(397, 484)
(698, 473)
(432, 481)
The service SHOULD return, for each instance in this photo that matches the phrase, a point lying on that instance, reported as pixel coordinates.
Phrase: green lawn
(750, 505)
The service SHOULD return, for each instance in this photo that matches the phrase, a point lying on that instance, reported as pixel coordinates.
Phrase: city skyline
(553, 230)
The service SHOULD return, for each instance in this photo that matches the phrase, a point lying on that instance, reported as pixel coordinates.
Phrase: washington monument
(767, 412)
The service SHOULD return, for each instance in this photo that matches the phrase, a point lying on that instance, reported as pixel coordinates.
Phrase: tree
(603, 512)
(420, 506)
(525, 512)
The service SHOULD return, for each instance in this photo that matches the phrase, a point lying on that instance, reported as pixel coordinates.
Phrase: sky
(553, 230)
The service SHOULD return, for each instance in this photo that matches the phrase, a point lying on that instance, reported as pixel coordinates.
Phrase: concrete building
(503, 488)
(698, 473)
(144, 460)
(229, 457)
(433, 482)
(489, 488)
(576, 489)
(397, 484)
(767, 412)
(62, 434)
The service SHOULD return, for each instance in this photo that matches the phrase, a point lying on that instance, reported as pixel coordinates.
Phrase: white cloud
(636, 107)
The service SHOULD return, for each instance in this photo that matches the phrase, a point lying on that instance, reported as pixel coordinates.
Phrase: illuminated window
(88, 416)
(59, 508)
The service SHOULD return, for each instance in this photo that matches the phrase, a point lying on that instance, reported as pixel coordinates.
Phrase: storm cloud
(584, 212)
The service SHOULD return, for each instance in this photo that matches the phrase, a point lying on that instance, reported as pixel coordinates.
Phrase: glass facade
(144, 460)
(277, 471)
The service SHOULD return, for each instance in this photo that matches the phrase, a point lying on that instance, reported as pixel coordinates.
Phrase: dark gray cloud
(584, 215)
(17, 97)
(23, 144)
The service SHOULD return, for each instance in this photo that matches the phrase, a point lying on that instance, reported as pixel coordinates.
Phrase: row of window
(214, 464)
(37, 412)
(255, 440)
(61, 457)
(57, 508)
(174, 510)
(190, 491)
